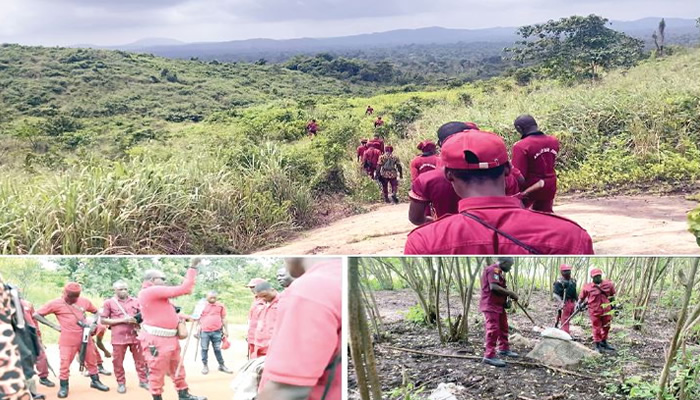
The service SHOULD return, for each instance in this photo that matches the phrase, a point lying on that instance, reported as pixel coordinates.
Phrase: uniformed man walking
(535, 156)
(476, 164)
(493, 303)
(598, 296)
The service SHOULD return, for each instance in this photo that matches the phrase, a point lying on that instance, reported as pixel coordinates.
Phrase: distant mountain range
(677, 29)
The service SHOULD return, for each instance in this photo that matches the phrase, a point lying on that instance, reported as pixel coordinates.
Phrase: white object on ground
(446, 391)
(555, 333)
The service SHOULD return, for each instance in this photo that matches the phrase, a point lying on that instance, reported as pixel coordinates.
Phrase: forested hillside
(109, 152)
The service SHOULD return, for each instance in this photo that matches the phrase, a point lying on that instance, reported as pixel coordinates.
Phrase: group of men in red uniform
(597, 296)
(472, 201)
(381, 164)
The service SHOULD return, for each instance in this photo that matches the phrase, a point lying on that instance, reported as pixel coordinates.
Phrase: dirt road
(618, 225)
(215, 386)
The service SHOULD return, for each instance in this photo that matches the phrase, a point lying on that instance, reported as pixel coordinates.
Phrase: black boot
(599, 347)
(606, 346)
(185, 395)
(63, 391)
(46, 382)
(395, 198)
(157, 397)
(96, 384)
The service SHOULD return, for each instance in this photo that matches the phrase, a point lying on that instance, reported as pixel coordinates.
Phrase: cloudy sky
(111, 22)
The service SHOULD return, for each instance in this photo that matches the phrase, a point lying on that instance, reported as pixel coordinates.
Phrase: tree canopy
(576, 47)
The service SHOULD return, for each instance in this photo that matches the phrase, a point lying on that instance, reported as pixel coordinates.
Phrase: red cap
(72, 287)
(255, 282)
(596, 272)
(225, 344)
(488, 147)
(389, 148)
(564, 267)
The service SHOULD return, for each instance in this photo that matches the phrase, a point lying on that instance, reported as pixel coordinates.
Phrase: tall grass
(182, 204)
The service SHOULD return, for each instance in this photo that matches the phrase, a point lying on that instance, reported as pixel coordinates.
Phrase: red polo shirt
(598, 297)
(492, 302)
(457, 234)
(266, 323)
(122, 333)
(212, 318)
(423, 164)
(432, 187)
(253, 316)
(68, 317)
(535, 156)
(308, 332)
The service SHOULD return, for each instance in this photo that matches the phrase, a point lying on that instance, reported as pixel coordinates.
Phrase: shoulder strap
(527, 247)
(332, 367)
(120, 307)
(72, 308)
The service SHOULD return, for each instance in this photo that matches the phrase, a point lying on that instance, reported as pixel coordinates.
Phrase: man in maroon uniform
(535, 155)
(377, 142)
(370, 159)
(494, 296)
(379, 122)
(599, 296)
(432, 189)
(361, 149)
(214, 329)
(70, 312)
(476, 163)
(118, 314)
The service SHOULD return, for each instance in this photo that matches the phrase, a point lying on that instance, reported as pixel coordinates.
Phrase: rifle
(83, 344)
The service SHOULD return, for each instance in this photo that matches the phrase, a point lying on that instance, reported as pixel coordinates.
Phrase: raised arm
(168, 292)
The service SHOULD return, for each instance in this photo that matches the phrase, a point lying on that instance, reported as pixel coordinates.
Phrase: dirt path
(215, 386)
(618, 225)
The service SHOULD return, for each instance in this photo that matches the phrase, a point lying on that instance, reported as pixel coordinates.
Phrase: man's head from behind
(525, 124)
(265, 291)
(476, 161)
(454, 127)
(121, 290)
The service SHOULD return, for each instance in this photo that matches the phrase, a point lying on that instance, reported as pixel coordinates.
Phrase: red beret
(72, 287)
(596, 272)
(565, 267)
(488, 147)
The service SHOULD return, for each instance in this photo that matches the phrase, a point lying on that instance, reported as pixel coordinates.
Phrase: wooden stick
(522, 363)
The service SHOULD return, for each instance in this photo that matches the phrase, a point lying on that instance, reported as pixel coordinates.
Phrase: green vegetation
(106, 152)
(577, 47)
(42, 280)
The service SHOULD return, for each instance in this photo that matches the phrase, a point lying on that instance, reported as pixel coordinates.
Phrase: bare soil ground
(639, 353)
(629, 225)
(215, 385)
